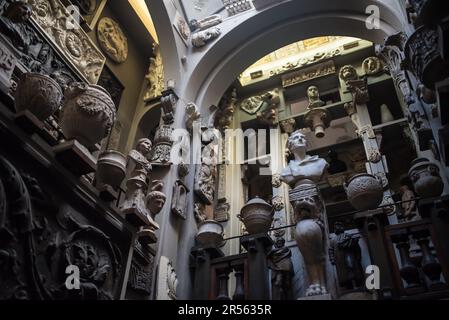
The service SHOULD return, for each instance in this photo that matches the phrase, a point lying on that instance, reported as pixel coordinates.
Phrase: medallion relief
(112, 40)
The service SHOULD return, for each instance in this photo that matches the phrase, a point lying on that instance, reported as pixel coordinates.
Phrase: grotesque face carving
(280, 242)
(297, 141)
(348, 73)
(144, 146)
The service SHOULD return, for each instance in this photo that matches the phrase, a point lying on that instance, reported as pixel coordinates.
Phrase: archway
(292, 21)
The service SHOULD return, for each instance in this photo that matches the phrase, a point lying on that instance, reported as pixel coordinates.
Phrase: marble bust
(304, 169)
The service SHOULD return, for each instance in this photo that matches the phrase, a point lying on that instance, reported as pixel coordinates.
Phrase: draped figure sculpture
(303, 174)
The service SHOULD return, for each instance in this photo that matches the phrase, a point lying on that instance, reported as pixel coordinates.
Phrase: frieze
(75, 46)
(307, 74)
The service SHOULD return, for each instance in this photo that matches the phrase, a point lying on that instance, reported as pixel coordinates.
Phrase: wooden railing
(221, 269)
(418, 264)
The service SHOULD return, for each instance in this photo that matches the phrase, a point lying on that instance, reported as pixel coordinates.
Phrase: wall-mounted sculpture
(77, 48)
(280, 263)
(155, 201)
(7, 64)
(288, 126)
(201, 38)
(253, 104)
(42, 236)
(206, 23)
(278, 203)
(179, 202)
(307, 74)
(35, 53)
(163, 142)
(302, 175)
(207, 172)
(313, 94)
(134, 204)
(167, 280)
(155, 75)
(112, 40)
(236, 6)
(317, 118)
(192, 116)
(372, 66)
(346, 255)
(226, 109)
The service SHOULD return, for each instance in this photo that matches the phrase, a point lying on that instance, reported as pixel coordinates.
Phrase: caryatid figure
(303, 174)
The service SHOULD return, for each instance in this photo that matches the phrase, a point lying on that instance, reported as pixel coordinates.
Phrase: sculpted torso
(309, 170)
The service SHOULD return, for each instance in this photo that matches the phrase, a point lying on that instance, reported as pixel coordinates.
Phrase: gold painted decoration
(112, 40)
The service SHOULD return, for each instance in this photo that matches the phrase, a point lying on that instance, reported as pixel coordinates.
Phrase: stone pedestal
(201, 262)
(372, 224)
(258, 282)
(75, 157)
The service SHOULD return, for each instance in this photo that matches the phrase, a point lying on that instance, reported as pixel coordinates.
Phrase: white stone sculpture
(303, 174)
(167, 280)
(200, 39)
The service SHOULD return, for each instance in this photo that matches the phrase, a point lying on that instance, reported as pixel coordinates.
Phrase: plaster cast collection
(308, 211)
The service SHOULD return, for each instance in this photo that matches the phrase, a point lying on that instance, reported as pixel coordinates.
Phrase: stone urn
(39, 94)
(426, 178)
(210, 234)
(364, 191)
(257, 216)
(111, 168)
(88, 115)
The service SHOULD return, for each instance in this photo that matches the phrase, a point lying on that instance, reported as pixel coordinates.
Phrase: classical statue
(408, 202)
(303, 174)
(345, 254)
(280, 263)
(155, 201)
(137, 184)
(314, 98)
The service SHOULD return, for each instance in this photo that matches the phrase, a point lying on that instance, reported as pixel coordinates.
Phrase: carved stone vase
(39, 94)
(423, 57)
(111, 168)
(257, 216)
(364, 191)
(210, 234)
(426, 178)
(88, 114)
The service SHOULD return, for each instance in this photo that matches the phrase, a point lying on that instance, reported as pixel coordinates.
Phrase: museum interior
(224, 150)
